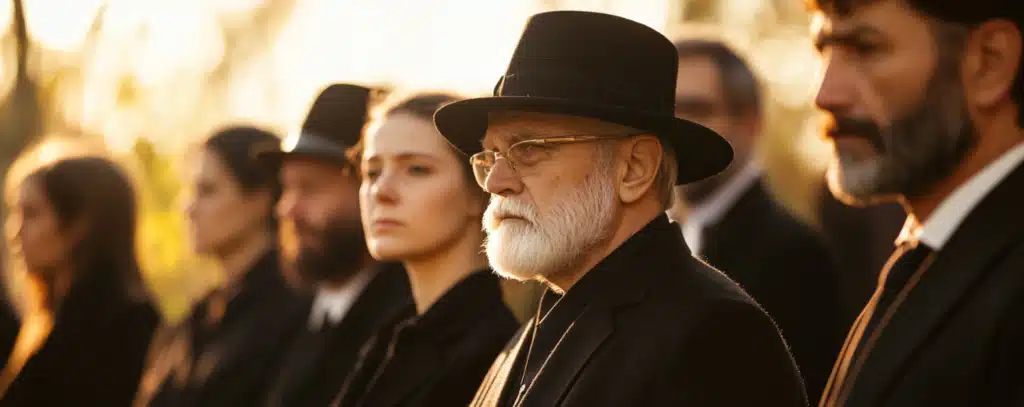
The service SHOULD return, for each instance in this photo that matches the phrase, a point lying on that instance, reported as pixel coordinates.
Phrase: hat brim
(304, 146)
(700, 152)
(274, 159)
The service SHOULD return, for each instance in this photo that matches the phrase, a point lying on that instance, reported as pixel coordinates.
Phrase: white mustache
(506, 208)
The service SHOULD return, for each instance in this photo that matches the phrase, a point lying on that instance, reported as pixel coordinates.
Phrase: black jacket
(225, 359)
(788, 269)
(10, 324)
(317, 363)
(438, 358)
(955, 338)
(651, 326)
(94, 354)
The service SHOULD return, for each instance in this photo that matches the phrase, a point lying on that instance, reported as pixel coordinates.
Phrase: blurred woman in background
(420, 205)
(87, 317)
(224, 352)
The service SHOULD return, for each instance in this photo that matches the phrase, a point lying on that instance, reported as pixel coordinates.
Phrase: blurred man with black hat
(324, 246)
(580, 150)
(926, 101)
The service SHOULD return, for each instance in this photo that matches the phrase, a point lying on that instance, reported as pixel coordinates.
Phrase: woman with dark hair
(420, 205)
(88, 317)
(224, 352)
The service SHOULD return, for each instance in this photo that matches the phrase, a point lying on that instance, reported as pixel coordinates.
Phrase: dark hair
(423, 106)
(95, 193)
(741, 91)
(235, 147)
(958, 12)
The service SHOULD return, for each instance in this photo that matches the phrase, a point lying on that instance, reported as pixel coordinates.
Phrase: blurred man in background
(325, 249)
(925, 100)
(735, 225)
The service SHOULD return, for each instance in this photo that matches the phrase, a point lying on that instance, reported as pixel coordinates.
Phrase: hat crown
(595, 57)
(338, 114)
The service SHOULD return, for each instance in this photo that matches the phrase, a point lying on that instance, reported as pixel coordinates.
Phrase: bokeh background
(147, 79)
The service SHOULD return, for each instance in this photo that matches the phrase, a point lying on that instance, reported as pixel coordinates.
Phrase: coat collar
(620, 280)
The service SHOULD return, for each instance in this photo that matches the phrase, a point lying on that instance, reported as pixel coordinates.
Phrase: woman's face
(36, 234)
(221, 215)
(414, 198)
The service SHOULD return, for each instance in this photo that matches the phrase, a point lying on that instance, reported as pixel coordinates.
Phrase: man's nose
(502, 180)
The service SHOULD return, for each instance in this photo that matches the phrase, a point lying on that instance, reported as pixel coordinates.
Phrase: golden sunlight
(60, 25)
(169, 72)
(149, 71)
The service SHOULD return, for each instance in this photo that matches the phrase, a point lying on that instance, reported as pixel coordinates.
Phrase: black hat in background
(334, 124)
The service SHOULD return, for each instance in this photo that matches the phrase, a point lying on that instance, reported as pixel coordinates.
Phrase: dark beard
(919, 149)
(342, 255)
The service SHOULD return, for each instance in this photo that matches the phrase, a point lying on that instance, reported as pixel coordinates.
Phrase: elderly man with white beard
(580, 149)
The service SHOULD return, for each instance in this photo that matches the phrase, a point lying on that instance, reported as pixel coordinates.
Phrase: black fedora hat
(598, 66)
(334, 123)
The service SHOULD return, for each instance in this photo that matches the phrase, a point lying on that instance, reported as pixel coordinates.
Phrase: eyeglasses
(524, 155)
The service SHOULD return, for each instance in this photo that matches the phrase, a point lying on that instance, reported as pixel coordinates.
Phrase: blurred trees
(164, 79)
(175, 275)
(21, 111)
(48, 92)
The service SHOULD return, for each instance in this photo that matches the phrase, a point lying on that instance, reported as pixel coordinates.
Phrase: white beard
(551, 243)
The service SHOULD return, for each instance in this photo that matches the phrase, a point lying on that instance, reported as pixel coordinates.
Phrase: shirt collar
(944, 221)
(717, 204)
(333, 303)
(713, 208)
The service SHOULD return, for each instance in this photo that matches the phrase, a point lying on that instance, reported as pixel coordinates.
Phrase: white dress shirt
(947, 217)
(716, 205)
(332, 304)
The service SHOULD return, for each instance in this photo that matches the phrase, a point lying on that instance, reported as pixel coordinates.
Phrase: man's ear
(991, 63)
(640, 168)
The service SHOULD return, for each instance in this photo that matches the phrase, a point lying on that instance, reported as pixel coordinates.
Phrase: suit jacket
(225, 358)
(787, 268)
(955, 338)
(438, 358)
(657, 327)
(315, 368)
(94, 354)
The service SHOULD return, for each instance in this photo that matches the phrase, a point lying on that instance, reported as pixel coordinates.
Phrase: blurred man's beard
(342, 253)
(914, 153)
(544, 245)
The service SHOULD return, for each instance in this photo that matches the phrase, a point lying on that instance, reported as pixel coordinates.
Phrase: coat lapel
(493, 385)
(622, 283)
(571, 353)
(972, 251)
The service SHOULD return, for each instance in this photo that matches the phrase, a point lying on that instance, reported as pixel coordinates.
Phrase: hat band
(306, 141)
(580, 87)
